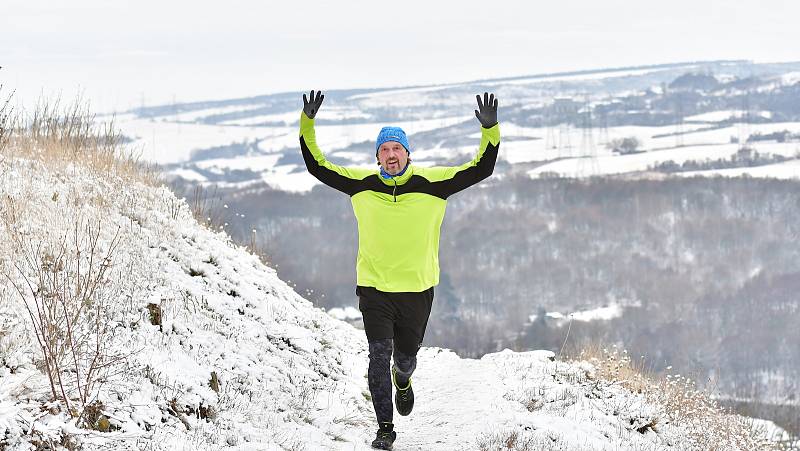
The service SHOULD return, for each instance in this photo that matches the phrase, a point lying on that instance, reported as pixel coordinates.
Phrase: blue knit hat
(392, 134)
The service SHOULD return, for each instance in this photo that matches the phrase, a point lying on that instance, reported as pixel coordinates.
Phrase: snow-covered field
(163, 142)
(592, 76)
(784, 170)
(567, 151)
(241, 142)
(290, 376)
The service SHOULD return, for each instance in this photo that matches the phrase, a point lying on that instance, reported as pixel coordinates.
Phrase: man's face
(392, 157)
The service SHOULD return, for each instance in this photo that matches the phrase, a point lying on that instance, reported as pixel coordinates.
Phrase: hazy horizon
(124, 54)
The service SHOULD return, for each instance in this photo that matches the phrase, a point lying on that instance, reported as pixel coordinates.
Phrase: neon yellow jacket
(399, 219)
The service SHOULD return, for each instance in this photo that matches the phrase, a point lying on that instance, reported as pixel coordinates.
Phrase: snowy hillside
(287, 373)
(212, 351)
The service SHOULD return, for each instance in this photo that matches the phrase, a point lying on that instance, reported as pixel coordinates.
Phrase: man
(399, 210)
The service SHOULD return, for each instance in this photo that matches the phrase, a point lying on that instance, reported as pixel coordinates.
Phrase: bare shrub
(64, 286)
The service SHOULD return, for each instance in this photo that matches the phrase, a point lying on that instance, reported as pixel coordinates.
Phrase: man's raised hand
(310, 107)
(487, 110)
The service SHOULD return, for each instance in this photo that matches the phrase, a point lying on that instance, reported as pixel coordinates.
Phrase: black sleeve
(471, 175)
(327, 176)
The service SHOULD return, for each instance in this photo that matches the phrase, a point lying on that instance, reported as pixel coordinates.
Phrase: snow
(771, 431)
(658, 144)
(714, 149)
(714, 116)
(346, 313)
(784, 170)
(287, 371)
(291, 376)
(717, 116)
(398, 97)
(721, 135)
(253, 163)
(790, 78)
(573, 77)
(293, 117)
(600, 313)
(162, 142)
(285, 118)
(188, 174)
(166, 142)
(619, 164)
(200, 114)
(298, 182)
(597, 314)
(565, 150)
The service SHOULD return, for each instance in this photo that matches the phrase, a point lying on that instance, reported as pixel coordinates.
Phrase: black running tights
(380, 378)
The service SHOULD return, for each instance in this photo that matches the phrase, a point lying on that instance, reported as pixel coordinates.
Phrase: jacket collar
(397, 179)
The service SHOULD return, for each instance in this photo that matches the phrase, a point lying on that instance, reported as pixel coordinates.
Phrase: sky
(122, 54)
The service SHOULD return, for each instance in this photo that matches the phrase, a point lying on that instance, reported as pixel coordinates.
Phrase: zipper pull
(394, 191)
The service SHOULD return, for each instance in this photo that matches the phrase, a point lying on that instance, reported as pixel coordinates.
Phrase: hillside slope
(288, 376)
(288, 373)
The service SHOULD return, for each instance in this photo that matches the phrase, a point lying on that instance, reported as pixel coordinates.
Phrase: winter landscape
(637, 251)
(653, 207)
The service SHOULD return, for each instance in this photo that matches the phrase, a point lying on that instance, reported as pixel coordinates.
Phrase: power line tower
(602, 138)
(564, 144)
(564, 109)
(549, 135)
(587, 164)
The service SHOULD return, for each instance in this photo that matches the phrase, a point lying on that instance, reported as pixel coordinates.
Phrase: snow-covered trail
(521, 400)
(454, 398)
(457, 401)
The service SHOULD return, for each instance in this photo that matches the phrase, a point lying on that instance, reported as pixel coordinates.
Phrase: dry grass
(6, 119)
(61, 136)
(256, 248)
(708, 426)
(208, 209)
(509, 440)
(614, 365)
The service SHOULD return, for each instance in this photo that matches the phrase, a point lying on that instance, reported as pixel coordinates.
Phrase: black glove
(311, 108)
(488, 110)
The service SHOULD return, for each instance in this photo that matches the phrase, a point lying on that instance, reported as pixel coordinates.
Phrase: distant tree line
(746, 157)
